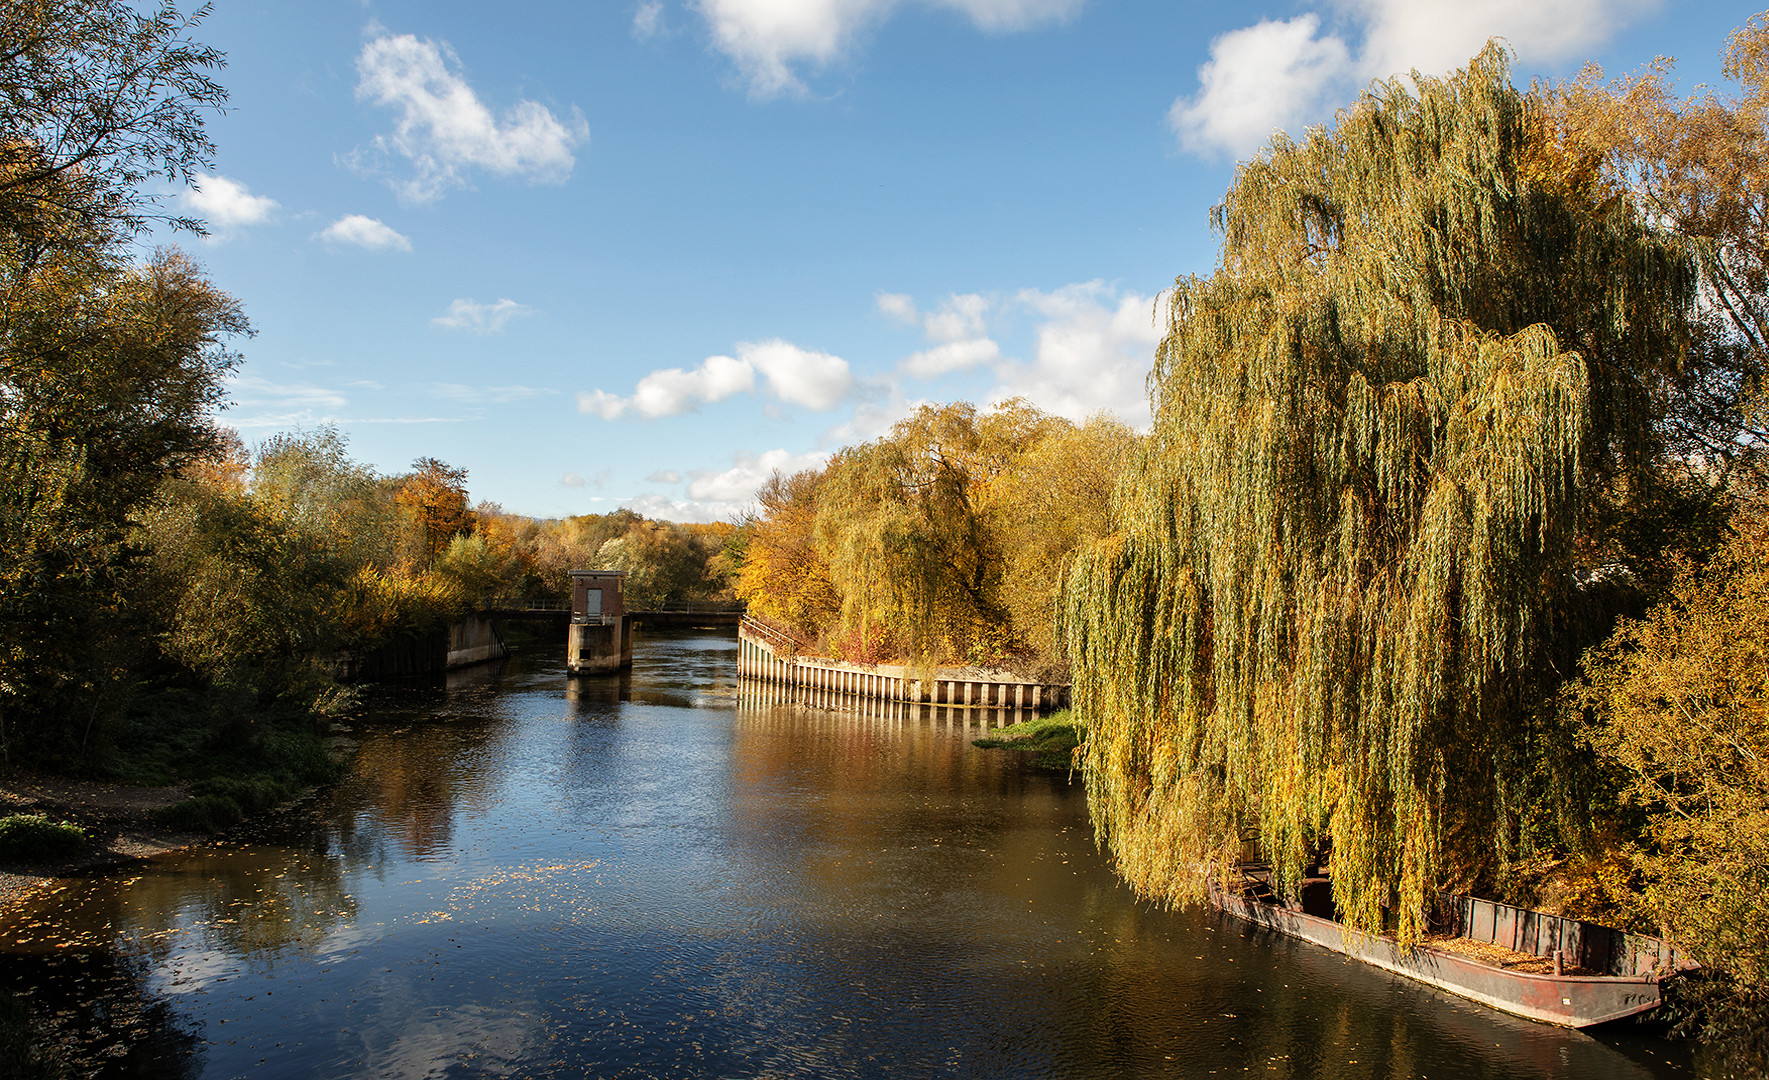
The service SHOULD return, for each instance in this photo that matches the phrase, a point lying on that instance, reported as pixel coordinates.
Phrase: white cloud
(799, 376)
(1291, 73)
(747, 474)
(664, 476)
(255, 390)
(899, 306)
(1436, 36)
(723, 494)
(445, 131)
(1094, 347)
(257, 402)
(871, 419)
(816, 380)
(364, 232)
(228, 204)
(950, 357)
(673, 391)
(648, 20)
(468, 314)
(959, 330)
(960, 318)
(768, 38)
(1260, 78)
(578, 480)
(480, 395)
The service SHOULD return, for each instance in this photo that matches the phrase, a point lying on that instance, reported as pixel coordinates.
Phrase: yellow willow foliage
(783, 577)
(910, 528)
(379, 603)
(1341, 561)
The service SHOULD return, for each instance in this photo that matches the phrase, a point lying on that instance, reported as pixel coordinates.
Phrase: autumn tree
(97, 99)
(109, 371)
(1700, 165)
(1053, 502)
(908, 528)
(665, 562)
(1346, 572)
(1678, 700)
(308, 481)
(945, 540)
(108, 383)
(1675, 700)
(435, 496)
(783, 577)
(574, 543)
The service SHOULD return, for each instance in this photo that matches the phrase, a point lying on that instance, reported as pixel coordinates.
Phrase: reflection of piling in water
(766, 655)
(757, 696)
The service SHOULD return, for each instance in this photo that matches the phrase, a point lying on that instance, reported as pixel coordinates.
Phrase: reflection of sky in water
(649, 876)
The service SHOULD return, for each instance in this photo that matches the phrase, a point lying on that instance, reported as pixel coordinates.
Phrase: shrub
(202, 813)
(32, 837)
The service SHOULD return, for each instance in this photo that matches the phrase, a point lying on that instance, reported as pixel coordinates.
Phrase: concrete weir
(766, 654)
(474, 640)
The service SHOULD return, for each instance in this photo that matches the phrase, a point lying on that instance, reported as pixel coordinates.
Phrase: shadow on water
(100, 1007)
(664, 873)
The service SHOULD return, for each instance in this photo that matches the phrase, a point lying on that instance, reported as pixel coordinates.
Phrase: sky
(642, 253)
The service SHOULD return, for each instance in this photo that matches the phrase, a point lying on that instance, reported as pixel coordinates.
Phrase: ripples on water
(653, 875)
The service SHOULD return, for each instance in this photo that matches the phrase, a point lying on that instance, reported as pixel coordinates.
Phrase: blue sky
(642, 252)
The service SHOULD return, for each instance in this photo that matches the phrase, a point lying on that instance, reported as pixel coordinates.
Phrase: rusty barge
(1608, 974)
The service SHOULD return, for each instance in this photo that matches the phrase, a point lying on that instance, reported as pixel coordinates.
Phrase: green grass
(1051, 740)
(34, 838)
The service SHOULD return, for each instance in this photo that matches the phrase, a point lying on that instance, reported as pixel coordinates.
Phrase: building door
(592, 601)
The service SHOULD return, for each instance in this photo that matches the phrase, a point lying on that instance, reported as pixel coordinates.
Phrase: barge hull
(1575, 1001)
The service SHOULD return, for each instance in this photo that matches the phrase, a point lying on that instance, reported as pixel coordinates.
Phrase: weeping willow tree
(911, 533)
(1348, 559)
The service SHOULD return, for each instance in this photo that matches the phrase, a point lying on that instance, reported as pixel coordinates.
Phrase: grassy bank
(1050, 740)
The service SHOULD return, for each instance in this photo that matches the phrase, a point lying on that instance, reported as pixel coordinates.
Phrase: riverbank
(127, 822)
(120, 819)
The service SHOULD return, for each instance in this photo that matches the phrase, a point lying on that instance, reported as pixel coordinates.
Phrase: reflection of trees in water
(97, 1012)
(413, 794)
(409, 784)
(1067, 974)
(253, 902)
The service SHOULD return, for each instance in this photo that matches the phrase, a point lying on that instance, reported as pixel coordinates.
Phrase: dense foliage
(1673, 703)
(1678, 700)
(162, 590)
(109, 368)
(943, 541)
(1348, 567)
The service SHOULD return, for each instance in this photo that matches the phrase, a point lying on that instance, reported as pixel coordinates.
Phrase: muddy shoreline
(119, 818)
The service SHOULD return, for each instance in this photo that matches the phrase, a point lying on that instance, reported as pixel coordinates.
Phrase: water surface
(659, 875)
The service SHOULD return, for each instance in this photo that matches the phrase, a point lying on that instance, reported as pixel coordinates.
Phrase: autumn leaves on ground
(1445, 559)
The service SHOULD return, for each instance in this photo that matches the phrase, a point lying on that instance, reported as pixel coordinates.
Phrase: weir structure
(770, 654)
(600, 638)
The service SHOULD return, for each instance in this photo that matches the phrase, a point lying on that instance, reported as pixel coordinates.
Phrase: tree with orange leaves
(435, 495)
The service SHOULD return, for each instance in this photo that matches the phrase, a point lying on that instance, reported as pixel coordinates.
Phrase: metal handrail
(521, 603)
(768, 629)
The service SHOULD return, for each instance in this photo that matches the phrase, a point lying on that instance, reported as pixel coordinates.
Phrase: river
(666, 874)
